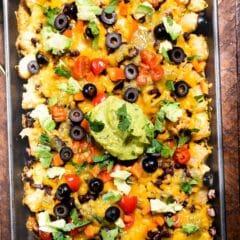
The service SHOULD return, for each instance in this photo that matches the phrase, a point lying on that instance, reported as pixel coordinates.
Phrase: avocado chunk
(124, 132)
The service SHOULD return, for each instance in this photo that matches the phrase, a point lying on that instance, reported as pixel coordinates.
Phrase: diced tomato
(105, 176)
(177, 221)
(44, 235)
(128, 220)
(157, 73)
(182, 154)
(75, 232)
(59, 113)
(85, 125)
(98, 66)
(142, 80)
(149, 58)
(73, 181)
(99, 98)
(128, 204)
(81, 67)
(68, 33)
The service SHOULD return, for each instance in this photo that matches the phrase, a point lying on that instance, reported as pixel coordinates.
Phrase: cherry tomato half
(157, 73)
(128, 220)
(73, 181)
(128, 204)
(182, 155)
(98, 66)
(99, 98)
(44, 235)
(81, 67)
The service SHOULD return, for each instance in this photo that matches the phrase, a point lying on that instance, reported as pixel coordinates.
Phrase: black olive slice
(63, 192)
(77, 133)
(33, 67)
(113, 41)
(177, 55)
(95, 185)
(131, 94)
(181, 88)
(112, 214)
(202, 24)
(71, 10)
(108, 18)
(61, 22)
(150, 164)
(131, 71)
(160, 33)
(76, 115)
(66, 154)
(89, 91)
(61, 211)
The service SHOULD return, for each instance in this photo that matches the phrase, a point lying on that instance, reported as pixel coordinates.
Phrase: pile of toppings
(117, 119)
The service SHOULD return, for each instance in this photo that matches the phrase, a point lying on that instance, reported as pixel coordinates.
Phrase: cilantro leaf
(149, 131)
(170, 199)
(44, 139)
(190, 228)
(74, 216)
(187, 186)
(110, 234)
(51, 13)
(183, 138)
(155, 147)
(104, 161)
(124, 119)
(111, 7)
(169, 221)
(199, 98)
(170, 85)
(167, 151)
(96, 126)
(62, 71)
(79, 168)
(159, 123)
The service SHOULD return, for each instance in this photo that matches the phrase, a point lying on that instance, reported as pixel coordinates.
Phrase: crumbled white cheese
(121, 174)
(161, 207)
(167, 45)
(23, 66)
(56, 172)
(122, 186)
(197, 5)
(120, 223)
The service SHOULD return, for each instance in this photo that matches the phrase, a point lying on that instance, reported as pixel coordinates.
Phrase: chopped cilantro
(124, 119)
(183, 138)
(194, 130)
(59, 236)
(51, 13)
(44, 139)
(111, 7)
(190, 228)
(193, 57)
(96, 126)
(149, 131)
(79, 168)
(170, 199)
(167, 151)
(62, 71)
(170, 85)
(199, 98)
(104, 161)
(187, 186)
(159, 123)
(155, 147)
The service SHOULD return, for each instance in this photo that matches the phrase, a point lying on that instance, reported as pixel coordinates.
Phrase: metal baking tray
(16, 147)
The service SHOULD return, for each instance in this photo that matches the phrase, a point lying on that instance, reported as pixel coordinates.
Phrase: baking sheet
(16, 146)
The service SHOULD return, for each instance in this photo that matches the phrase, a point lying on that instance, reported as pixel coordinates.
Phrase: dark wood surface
(229, 29)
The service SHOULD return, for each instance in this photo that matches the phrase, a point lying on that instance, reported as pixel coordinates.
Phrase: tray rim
(220, 165)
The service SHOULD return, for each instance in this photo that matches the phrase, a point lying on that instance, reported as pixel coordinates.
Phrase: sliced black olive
(95, 185)
(131, 95)
(71, 10)
(150, 164)
(112, 214)
(33, 67)
(108, 18)
(202, 24)
(61, 211)
(69, 202)
(131, 71)
(88, 33)
(89, 91)
(160, 32)
(66, 154)
(77, 133)
(113, 41)
(76, 115)
(208, 179)
(63, 192)
(181, 88)
(61, 22)
(41, 59)
(176, 55)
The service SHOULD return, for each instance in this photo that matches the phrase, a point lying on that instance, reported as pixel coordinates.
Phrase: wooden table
(229, 16)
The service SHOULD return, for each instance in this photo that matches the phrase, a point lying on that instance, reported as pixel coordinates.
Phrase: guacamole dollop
(125, 131)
